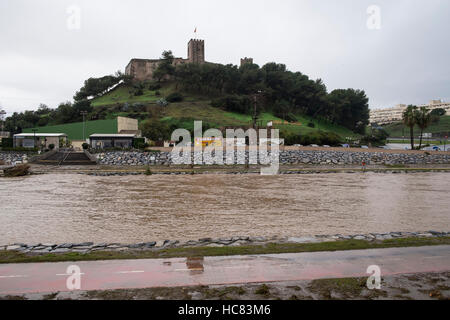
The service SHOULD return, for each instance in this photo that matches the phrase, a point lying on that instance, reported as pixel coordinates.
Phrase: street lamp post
(84, 114)
(34, 137)
(255, 109)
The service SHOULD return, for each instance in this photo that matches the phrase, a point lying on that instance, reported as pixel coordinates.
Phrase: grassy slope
(199, 108)
(122, 94)
(74, 131)
(395, 129)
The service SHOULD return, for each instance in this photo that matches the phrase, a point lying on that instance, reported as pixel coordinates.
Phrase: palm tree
(409, 119)
(423, 120)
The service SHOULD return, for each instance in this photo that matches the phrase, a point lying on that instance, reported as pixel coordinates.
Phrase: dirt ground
(429, 286)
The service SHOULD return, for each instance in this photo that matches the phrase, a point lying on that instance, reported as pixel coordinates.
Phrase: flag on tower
(195, 31)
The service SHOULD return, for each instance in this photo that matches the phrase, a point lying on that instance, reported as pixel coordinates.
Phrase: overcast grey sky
(406, 61)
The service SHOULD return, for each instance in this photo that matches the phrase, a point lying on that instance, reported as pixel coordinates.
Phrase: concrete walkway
(129, 274)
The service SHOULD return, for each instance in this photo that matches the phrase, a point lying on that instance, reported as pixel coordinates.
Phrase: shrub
(138, 107)
(21, 149)
(175, 97)
(51, 146)
(139, 143)
(154, 86)
(85, 146)
(311, 125)
(233, 103)
(290, 117)
(139, 92)
(263, 290)
(162, 103)
(438, 112)
(376, 138)
(148, 172)
(157, 93)
(319, 138)
(125, 107)
(7, 142)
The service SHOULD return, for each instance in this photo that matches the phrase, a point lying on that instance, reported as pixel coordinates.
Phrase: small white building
(39, 140)
(107, 141)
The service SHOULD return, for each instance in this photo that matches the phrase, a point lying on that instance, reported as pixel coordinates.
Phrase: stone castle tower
(196, 51)
(246, 60)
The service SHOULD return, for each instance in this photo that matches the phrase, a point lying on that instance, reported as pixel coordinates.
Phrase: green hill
(398, 129)
(182, 114)
(74, 131)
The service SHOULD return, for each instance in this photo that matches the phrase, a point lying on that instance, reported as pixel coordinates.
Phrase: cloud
(406, 61)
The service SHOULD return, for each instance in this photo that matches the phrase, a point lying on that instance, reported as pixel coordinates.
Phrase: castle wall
(143, 69)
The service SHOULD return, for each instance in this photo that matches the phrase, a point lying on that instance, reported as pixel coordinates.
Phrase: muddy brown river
(127, 209)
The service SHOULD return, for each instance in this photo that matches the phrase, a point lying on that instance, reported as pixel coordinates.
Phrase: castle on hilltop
(143, 69)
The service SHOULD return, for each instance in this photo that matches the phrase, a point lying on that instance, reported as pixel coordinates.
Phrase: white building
(395, 114)
(36, 140)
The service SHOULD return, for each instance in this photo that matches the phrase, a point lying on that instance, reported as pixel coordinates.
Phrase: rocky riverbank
(321, 170)
(87, 247)
(13, 157)
(323, 157)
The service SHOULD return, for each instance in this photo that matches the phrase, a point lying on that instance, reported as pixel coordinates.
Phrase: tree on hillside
(349, 108)
(423, 120)
(409, 119)
(439, 112)
(155, 130)
(43, 109)
(165, 67)
(436, 115)
(95, 87)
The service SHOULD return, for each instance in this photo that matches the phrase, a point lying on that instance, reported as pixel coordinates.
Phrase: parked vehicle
(432, 148)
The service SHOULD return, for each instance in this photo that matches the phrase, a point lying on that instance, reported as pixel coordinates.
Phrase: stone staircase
(66, 158)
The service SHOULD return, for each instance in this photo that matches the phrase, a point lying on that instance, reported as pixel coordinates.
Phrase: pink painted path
(127, 274)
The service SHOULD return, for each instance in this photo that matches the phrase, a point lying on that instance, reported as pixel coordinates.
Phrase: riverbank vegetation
(269, 248)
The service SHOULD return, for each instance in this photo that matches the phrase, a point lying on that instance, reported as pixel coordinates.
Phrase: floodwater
(127, 209)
